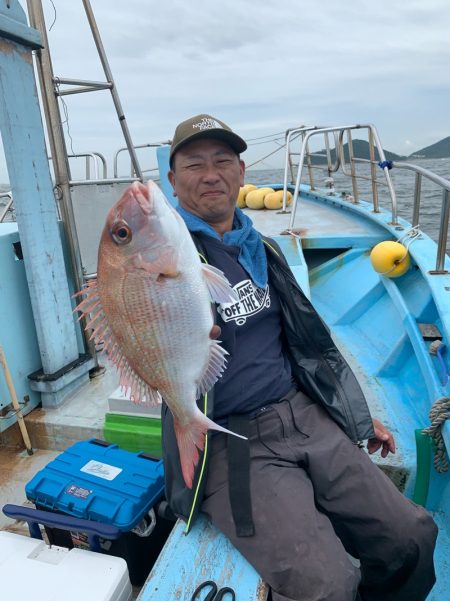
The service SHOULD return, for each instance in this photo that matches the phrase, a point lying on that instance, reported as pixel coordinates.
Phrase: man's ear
(171, 176)
(242, 172)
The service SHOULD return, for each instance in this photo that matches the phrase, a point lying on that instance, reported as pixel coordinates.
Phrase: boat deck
(320, 225)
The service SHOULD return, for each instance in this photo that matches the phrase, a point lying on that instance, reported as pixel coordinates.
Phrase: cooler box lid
(29, 569)
(95, 480)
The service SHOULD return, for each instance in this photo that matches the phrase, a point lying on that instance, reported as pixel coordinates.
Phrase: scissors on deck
(214, 594)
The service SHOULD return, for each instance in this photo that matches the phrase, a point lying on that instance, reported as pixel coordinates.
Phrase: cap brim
(236, 142)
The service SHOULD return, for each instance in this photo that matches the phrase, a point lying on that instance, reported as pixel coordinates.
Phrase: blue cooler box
(98, 481)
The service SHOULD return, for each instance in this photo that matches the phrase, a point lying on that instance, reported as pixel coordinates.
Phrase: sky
(260, 67)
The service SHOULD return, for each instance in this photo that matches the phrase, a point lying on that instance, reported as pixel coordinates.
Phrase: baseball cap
(205, 126)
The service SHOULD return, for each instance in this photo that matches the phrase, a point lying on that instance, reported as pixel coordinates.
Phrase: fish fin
(91, 308)
(165, 264)
(218, 285)
(216, 364)
(136, 388)
(191, 440)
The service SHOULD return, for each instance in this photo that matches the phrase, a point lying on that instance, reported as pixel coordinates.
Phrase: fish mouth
(142, 197)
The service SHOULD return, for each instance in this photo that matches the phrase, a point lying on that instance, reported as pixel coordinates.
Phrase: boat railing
(8, 207)
(136, 147)
(91, 158)
(307, 133)
(444, 184)
(95, 157)
(340, 162)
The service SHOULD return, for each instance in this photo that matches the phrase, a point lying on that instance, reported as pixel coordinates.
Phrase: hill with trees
(438, 150)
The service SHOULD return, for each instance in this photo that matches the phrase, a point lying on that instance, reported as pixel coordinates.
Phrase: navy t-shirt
(257, 371)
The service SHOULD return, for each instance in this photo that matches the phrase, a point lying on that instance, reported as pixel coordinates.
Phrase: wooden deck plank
(203, 554)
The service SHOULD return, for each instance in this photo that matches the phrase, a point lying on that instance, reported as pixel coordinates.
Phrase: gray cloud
(261, 67)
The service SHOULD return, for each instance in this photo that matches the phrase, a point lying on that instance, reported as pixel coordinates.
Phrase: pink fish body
(151, 306)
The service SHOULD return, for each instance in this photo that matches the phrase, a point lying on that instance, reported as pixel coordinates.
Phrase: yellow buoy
(249, 187)
(274, 200)
(243, 191)
(241, 198)
(255, 198)
(390, 259)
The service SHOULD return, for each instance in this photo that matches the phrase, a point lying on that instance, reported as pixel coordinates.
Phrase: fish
(150, 307)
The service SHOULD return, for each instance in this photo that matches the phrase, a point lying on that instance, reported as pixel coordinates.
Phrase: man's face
(206, 178)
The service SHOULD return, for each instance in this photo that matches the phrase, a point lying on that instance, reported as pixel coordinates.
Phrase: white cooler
(31, 570)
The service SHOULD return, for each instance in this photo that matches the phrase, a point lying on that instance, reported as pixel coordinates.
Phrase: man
(300, 493)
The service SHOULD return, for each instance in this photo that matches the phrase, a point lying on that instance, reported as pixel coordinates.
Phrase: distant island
(439, 150)
(360, 150)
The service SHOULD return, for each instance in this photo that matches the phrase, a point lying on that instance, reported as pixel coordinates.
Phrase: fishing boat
(387, 306)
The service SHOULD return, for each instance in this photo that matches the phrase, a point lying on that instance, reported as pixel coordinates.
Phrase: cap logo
(207, 123)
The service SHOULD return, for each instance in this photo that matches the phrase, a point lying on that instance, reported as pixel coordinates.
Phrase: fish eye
(121, 233)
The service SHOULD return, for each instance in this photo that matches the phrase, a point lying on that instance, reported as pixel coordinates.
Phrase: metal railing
(309, 132)
(149, 145)
(8, 206)
(340, 162)
(445, 207)
(96, 158)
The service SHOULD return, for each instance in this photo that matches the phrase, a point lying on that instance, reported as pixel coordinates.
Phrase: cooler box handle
(34, 517)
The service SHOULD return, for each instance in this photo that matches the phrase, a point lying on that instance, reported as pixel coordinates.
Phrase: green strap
(271, 247)
(197, 489)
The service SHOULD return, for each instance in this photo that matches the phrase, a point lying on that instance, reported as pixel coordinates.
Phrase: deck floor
(313, 220)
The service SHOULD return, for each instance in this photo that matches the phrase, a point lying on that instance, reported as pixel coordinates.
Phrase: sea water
(403, 181)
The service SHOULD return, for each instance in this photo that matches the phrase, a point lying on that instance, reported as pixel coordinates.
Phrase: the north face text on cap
(207, 123)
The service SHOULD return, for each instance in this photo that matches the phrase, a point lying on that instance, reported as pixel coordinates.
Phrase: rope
(384, 164)
(406, 240)
(438, 414)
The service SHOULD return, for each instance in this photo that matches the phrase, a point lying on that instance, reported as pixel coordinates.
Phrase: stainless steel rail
(374, 141)
(7, 206)
(82, 85)
(149, 145)
(96, 157)
(445, 207)
(307, 133)
(115, 180)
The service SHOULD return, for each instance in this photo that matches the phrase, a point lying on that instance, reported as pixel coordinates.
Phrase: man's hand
(382, 438)
(215, 332)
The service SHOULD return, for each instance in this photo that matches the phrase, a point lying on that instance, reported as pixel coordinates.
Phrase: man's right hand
(215, 332)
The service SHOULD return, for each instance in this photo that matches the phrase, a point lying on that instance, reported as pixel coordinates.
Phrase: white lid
(30, 569)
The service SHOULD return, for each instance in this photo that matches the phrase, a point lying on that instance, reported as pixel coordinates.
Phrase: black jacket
(318, 366)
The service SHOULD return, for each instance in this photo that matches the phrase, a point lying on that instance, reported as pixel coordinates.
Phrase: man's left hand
(383, 438)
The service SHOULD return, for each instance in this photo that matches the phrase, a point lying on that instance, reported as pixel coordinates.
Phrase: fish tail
(191, 440)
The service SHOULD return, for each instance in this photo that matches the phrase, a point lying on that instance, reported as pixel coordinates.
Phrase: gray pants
(315, 497)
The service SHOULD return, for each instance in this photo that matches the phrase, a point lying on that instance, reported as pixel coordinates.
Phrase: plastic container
(98, 481)
(134, 433)
(30, 569)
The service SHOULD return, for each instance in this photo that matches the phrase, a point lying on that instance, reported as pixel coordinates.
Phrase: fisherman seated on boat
(300, 493)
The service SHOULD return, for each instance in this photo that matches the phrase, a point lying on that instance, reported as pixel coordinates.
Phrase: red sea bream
(151, 307)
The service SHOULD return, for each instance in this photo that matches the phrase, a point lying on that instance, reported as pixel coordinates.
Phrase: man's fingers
(385, 437)
(373, 445)
(215, 332)
(391, 444)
